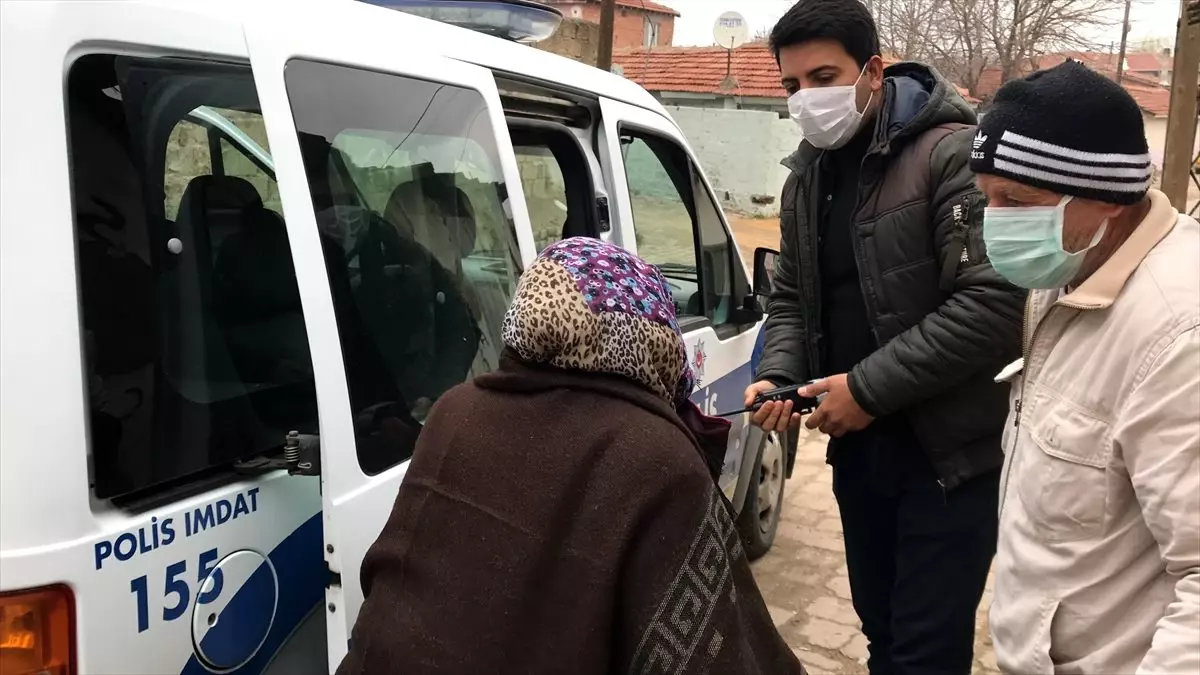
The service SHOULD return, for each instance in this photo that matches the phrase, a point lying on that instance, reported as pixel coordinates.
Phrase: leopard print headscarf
(591, 306)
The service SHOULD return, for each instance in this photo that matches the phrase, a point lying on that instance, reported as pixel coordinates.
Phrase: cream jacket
(1098, 563)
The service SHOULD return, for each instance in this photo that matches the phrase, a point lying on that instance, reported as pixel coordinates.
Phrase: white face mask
(828, 116)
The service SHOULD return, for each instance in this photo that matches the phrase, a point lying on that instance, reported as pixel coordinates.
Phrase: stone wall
(740, 151)
(545, 192)
(575, 39)
(188, 155)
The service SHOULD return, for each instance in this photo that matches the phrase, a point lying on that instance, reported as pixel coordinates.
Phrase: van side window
(545, 191)
(662, 222)
(556, 181)
(419, 248)
(237, 159)
(187, 157)
(198, 146)
(195, 343)
(678, 227)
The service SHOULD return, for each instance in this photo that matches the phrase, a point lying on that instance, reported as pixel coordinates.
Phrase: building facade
(636, 23)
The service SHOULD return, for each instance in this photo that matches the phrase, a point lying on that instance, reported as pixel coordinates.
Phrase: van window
(661, 219)
(187, 157)
(678, 227)
(419, 247)
(195, 343)
(556, 180)
(237, 160)
(545, 191)
(199, 147)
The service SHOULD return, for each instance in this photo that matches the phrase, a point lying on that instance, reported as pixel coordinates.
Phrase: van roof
(453, 42)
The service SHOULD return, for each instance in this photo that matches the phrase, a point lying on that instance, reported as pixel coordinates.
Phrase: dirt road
(752, 233)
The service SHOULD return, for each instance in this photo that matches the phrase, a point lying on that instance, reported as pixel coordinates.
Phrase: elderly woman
(560, 515)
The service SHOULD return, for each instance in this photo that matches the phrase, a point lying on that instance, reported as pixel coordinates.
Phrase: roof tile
(1142, 62)
(647, 6)
(701, 70)
(1151, 97)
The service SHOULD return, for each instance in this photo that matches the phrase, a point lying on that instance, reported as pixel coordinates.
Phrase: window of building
(195, 342)
(651, 33)
(419, 247)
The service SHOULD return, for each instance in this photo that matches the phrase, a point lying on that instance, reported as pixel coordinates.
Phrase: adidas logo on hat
(980, 139)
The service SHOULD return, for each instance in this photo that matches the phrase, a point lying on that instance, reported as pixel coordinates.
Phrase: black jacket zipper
(813, 233)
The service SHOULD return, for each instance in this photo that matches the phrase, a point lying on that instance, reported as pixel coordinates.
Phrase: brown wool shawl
(553, 521)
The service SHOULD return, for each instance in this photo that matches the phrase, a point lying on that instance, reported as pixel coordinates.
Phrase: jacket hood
(916, 98)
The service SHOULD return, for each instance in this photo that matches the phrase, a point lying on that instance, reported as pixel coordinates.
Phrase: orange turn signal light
(37, 632)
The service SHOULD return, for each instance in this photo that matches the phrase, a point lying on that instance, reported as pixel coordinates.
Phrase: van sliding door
(401, 193)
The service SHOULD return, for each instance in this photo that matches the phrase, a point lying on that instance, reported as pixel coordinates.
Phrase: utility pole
(1181, 121)
(608, 10)
(1124, 37)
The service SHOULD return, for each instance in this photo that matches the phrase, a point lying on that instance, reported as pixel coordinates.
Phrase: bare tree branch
(966, 38)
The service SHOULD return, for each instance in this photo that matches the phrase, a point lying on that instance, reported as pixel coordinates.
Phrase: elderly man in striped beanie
(1098, 563)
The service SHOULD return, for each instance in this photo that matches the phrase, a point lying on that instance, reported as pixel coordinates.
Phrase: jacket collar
(1102, 288)
(799, 161)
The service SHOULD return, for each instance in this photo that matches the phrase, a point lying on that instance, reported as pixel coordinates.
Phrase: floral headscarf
(588, 305)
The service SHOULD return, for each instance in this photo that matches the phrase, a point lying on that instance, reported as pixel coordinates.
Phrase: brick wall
(666, 32)
(629, 28)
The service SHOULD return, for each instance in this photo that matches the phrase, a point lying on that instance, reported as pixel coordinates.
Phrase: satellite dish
(731, 31)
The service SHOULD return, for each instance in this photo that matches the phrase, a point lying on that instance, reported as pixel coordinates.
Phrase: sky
(1149, 19)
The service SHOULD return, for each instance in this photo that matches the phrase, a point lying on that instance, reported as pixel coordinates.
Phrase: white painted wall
(740, 151)
(1156, 138)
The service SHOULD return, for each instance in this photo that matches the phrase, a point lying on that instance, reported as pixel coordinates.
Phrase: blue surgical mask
(1025, 245)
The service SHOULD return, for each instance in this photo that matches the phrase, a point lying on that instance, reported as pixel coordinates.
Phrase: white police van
(244, 246)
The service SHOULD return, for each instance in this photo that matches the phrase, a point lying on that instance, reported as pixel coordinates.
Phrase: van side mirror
(764, 270)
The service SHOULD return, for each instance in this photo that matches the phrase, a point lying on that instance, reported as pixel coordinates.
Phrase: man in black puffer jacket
(883, 290)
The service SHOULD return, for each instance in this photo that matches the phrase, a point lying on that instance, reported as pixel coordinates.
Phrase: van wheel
(759, 518)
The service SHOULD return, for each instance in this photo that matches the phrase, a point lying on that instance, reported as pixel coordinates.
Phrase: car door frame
(355, 505)
(720, 356)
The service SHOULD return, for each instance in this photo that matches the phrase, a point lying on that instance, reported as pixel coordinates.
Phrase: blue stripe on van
(300, 568)
(756, 355)
(729, 389)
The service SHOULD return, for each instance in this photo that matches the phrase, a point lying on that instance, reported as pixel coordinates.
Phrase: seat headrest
(435, 213)
(255, 274)
(221, 197)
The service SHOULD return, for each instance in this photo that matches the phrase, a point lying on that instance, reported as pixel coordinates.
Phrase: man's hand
(839, 413)
(773, 415)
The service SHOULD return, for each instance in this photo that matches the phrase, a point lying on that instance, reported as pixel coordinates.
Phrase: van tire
(759, 518)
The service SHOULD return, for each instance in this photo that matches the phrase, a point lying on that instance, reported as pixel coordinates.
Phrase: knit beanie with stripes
(1069, 130)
